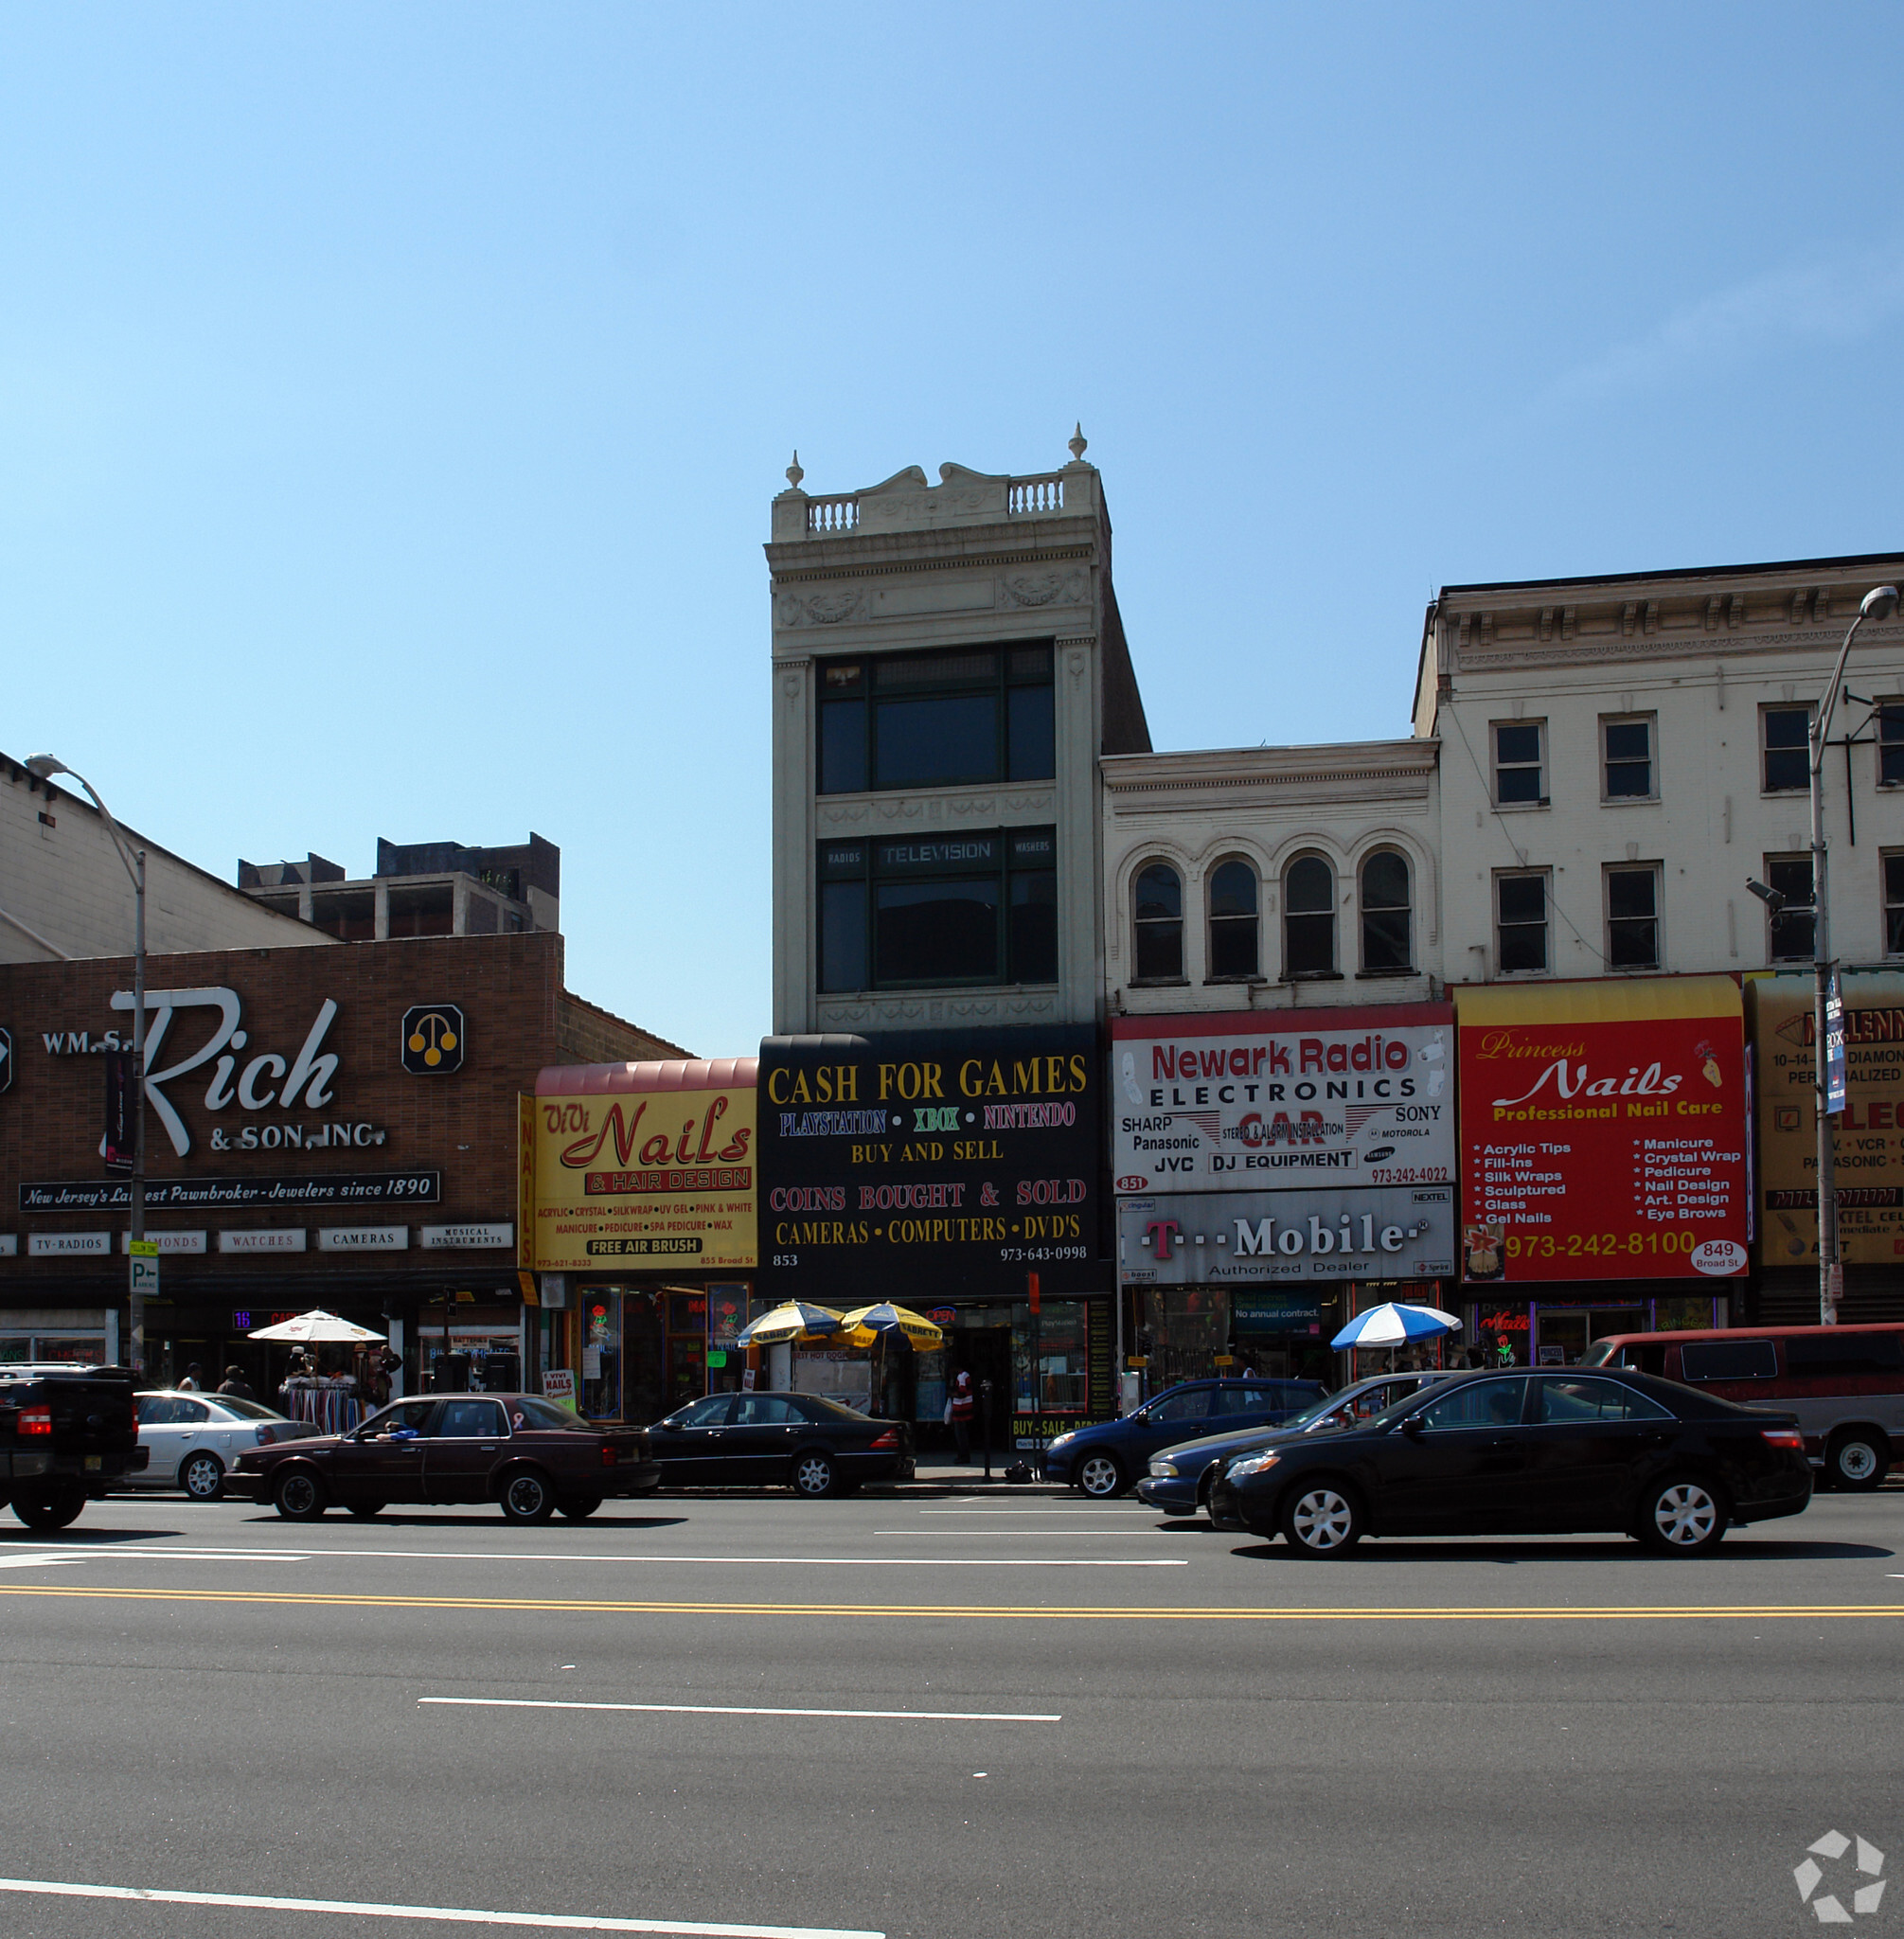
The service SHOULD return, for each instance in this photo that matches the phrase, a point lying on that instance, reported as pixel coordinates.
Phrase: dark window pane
(1028, 662)
(1523, 946)
(1629, 740)
(1790, 875)
(935, 932)
(1629, 892)
(1891, 746)
(1517, 744)
(1309, 945)
(1633, 945)
(1893, 932)
(1034, 927)
(842, 677)
(1520, 783)
(1233, 890)
(1787, 770)
(843, 747)
(842, 935)
(1787, 727)
(937, 669)
(1032, 756)
(1627, 780)
(1233, 945)
(1309, 888)
(1160, 951)
(930, 743)
(1384, 940)
(1384, 882)
(1524, 897)
(1158, 894)
(1791, 937)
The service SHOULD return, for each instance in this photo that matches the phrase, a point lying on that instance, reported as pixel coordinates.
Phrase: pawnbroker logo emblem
(1844, 1878)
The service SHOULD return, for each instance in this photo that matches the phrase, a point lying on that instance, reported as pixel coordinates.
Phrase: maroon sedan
(518, 1450)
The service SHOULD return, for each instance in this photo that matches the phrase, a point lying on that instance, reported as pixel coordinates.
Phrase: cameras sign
(1258, 1101)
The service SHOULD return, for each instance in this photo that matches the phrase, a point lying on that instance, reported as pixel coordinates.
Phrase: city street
(931, 1712)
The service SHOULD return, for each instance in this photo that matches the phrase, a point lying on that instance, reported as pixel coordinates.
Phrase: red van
(1844, 1383)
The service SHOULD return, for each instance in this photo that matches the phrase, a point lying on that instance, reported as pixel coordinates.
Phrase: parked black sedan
(1529, 1454)
(803, 1441)
(1105, 1458)
(1182, 1475)
(522, 1453)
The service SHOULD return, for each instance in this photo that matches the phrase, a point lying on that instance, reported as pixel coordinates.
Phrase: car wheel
(366, 1511)
(1321, 1519)
(1099, 1476)
(528, 1497)
(299, 1495)
(1858, 1463)
(814, 1474)
(49, 1508)
(202, 1476)
(1682, 1517)
(578, 1507)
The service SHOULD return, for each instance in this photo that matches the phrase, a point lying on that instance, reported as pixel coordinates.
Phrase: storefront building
(639, 1219)
(330, 1127)
(959, 1173)
(1868, 1143)
(1605, 1159)
(1276, 1176)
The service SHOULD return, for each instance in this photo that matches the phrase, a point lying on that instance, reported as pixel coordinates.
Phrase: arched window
(1309, 917)
(1158, 907)
(1234, 952)
(1386, 914)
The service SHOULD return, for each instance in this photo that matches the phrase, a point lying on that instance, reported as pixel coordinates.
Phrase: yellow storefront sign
(651, 1176)
(1868, 1138)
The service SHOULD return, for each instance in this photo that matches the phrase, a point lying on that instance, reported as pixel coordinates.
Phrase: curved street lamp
(46, 766)
(1877, 605)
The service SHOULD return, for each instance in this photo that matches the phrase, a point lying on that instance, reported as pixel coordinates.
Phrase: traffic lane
(1598, 1782)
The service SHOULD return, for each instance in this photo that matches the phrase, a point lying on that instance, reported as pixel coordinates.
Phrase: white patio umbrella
(1390, 1324)
(316, 1327)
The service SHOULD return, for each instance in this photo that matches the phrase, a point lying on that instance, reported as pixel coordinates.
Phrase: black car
(1182, 1476)
(1529, 1454)
(1104, 1459)
(803, 1441)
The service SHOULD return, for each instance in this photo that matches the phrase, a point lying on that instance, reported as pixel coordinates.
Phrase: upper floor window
(1627, 759)
(1891, 744)
(1784, 741)
(937, 719)
(1894, 905)
(1385, 914)
(1633, 917)
(1309, 917)
(1157, 910)
(1788, 931)
(1520, 923)
(1234, 951)
(1521, 763)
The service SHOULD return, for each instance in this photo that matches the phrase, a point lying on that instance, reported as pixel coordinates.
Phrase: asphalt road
(1105, 1724)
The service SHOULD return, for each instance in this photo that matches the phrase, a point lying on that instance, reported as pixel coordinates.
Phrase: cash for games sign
(1868, 1135)
(1255, 1100)
(1603, 1130)
(920, 1166)
(645, 1179)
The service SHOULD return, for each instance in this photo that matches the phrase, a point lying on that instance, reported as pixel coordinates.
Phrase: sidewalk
(939, 1474)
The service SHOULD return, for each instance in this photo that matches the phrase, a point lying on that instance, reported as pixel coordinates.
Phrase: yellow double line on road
(1613, 1612)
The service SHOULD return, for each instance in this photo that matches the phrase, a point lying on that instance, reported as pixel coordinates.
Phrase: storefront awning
(676, 1074)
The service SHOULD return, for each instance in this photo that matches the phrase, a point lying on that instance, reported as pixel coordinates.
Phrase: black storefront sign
(930, 1165)
(121, 1125)
(196, 1194)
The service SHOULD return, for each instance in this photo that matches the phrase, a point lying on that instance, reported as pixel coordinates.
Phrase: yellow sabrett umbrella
(798, 1320)
(864, 1325)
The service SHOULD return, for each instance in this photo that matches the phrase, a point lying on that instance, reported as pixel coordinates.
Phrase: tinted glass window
(1034, 927)
(1309, 917)
(1031, 755)
(245, 1410)
(1564, 1402)
(1787, 749)
(1158, 907)
(944, 932)
(1232, 921)
(1852, 1353)
(1234, 1400)
(706, 1413)
(1485, 1404)
(1384, 911)
(469, 1420)
(1192, 1405)
(843, 747)
(930, 743)
(410, 1416)
(765, 1411)
(528, 1412)
(842, 935)
(1729, 1359)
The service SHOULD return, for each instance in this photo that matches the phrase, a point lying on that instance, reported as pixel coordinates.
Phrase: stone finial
(1079, 444)
(795, 473)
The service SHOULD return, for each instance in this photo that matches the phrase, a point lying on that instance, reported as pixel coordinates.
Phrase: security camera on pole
(141, 1274)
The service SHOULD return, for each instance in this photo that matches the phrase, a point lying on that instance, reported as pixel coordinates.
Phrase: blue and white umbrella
(1390, 1324)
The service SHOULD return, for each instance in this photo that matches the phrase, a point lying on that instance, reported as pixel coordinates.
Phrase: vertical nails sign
(645, 1168)
(1603, 1130)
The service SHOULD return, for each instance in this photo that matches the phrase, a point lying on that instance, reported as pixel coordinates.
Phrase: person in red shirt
(963, 1402)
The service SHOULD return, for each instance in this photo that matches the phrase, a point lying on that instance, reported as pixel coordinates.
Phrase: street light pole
(1878, 604)
(46, 766)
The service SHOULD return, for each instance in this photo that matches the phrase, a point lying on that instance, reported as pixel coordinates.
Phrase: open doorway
(985, 1353)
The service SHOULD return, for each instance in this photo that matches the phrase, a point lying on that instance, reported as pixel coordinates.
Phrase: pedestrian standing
(963, 1402)
(189, 1385)
(236, 1384)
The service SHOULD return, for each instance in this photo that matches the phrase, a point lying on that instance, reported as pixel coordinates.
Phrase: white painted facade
(64, 892)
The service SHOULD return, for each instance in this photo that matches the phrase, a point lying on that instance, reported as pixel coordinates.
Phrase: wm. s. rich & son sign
(922, 1165)
(642, 1168)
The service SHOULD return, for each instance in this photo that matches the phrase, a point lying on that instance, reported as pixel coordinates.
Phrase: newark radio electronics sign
(930, 1164)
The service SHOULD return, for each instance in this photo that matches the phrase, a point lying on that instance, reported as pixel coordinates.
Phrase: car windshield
(1316, 1409)
(245, 1410)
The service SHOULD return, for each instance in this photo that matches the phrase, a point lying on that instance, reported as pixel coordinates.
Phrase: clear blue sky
(391, 396)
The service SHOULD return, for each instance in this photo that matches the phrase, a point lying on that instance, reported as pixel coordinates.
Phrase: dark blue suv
(1104, 1460)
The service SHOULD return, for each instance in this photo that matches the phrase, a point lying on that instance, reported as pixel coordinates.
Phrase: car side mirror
(1415, 1427)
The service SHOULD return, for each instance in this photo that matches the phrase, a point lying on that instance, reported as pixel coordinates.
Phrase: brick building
(330, 1127)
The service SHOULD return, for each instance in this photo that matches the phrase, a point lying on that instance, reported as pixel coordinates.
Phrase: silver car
(193, 1438)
